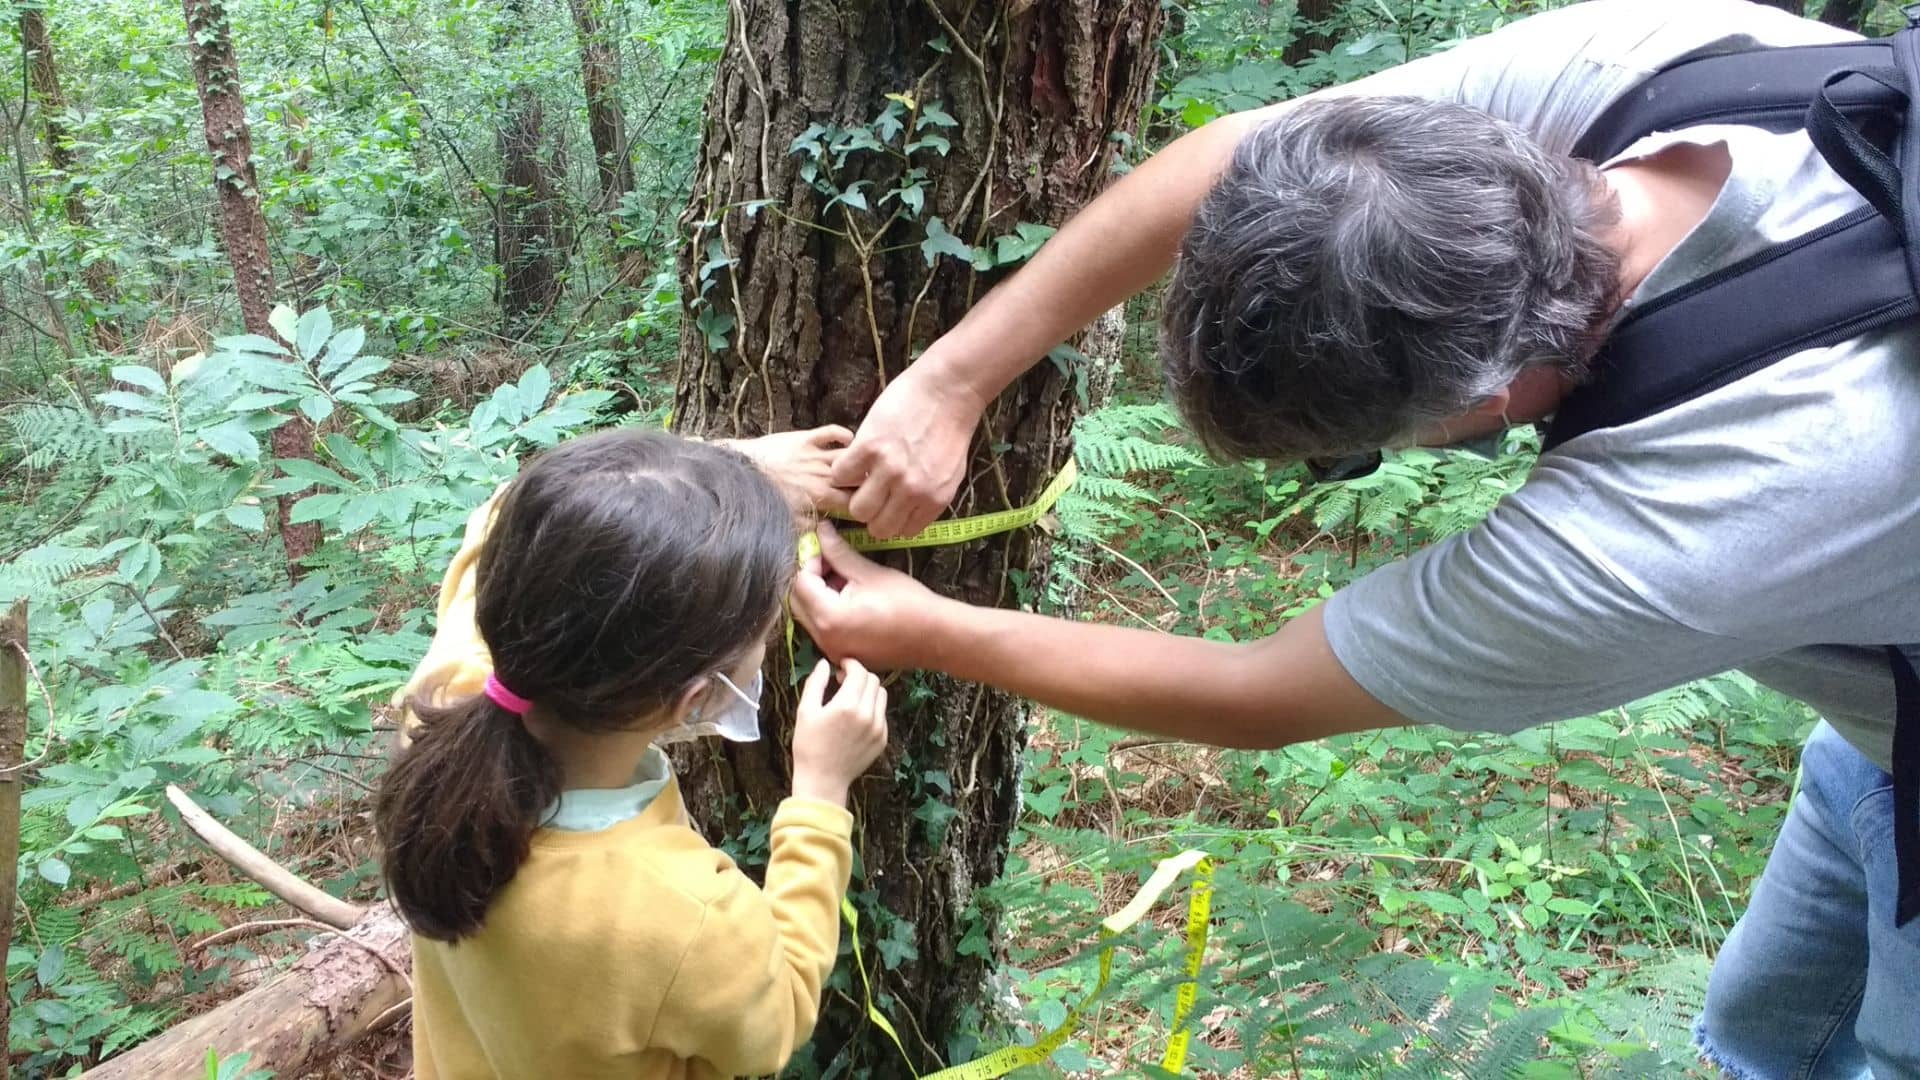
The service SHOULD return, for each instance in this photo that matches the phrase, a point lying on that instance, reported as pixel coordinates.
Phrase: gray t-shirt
(1772, 525)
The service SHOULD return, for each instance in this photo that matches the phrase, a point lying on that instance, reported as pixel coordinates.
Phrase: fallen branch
(254, 863)
(337, 993)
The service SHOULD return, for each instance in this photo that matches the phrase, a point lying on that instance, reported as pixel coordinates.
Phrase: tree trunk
(13, 744)
(1308, 38)
(525, 244)
(1847, 14)
(243, 228)
(44, 74)
(607, 125)
(992, 114)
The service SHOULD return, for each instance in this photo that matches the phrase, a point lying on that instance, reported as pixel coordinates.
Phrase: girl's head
(622, 571)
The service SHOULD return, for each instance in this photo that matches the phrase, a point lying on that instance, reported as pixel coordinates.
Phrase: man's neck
(1662, 198)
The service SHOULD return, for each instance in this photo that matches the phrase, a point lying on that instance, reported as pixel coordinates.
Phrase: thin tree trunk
(44, 75)
(1308, 37)
(243, 228)
(13, 742)
(525, 242)
(1847, 14)
(607, 125)
(798, 314)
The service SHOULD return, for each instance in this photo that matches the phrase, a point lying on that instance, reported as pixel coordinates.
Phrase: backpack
(1854, 99)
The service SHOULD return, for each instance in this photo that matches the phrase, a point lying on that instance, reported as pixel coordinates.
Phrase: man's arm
(1286, 688)
(911, 450)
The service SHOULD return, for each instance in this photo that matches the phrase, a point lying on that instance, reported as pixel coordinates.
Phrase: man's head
(1368, 269)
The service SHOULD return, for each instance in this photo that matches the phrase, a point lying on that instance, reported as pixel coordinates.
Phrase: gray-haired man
(1414, 259)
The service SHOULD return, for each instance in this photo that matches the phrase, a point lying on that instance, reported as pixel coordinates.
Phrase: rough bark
(13, 741)
(525, 241)
(1308, 38)
(243, 228)
(607, 126)
(1847, 14)
(44, 75)
(818, 306)
(317, 1009)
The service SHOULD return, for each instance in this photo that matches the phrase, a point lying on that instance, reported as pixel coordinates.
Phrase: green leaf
(55, 871)
(1539, 891)
(130, 401)
(342, 349)
(52, 965)
(315, 508)
(535, 386)
(312, 332)
(941, 242)
(232, 439)
(317, 407)
(285, 322)
(932, 115)
(312, 472)
(250, 343)
(250, 518)
(144, 377)
(257, 400)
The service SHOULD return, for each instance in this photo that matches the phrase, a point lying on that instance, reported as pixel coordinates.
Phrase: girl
(568, 921)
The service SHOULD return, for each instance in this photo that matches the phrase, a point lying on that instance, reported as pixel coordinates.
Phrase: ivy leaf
(932, 115)
(930, 139)
(940, 242)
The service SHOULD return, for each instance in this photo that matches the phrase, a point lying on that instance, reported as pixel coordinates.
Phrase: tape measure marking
(956, 530)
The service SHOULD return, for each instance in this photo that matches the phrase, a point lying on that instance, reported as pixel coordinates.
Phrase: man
(1369, 269)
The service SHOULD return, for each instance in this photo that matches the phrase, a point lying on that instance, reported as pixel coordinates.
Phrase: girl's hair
(620, 568)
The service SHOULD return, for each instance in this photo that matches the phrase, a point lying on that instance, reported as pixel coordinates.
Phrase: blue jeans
(1815, 982)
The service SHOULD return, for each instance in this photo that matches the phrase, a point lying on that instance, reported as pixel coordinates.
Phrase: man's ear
(1495, 405)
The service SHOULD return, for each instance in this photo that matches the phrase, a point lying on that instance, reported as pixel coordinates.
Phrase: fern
(63, 435)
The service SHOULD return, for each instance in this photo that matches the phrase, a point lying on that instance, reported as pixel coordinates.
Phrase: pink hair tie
(498, 693)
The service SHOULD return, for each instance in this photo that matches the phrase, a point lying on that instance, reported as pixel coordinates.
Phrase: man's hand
(858, 609)
(801, 463)
(910, 454)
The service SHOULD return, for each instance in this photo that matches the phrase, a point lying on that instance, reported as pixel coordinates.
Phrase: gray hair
(1367, 266)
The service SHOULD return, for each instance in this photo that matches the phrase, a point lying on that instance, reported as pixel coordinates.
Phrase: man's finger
(834, 500)
(851, 468)
(831, 435)
(891, 519)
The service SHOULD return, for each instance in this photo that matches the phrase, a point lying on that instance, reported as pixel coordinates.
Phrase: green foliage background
(1409, 903)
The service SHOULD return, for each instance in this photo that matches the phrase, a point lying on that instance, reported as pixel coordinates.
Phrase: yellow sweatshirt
(637, 951)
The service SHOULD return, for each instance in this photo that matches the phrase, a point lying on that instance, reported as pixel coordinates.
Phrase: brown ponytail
(457, 811)
(620, 568)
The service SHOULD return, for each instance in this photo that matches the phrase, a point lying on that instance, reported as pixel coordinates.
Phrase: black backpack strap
(1766, 88)
(1844, 279)
(1906, 779)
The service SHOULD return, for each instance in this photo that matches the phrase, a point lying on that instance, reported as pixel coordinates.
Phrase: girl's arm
(748, 987)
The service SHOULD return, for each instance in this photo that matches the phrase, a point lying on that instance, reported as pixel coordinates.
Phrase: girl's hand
(802, 462)
(835, 740)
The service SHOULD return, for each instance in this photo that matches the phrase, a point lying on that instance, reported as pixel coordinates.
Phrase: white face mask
(738, 720)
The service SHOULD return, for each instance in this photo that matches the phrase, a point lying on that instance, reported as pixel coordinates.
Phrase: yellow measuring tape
(956, 530)
(949, 531)
(1005, 1060)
